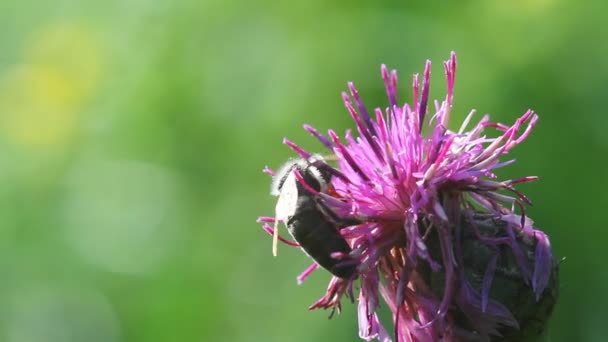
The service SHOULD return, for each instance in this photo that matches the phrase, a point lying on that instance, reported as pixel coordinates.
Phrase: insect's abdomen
(320, 238)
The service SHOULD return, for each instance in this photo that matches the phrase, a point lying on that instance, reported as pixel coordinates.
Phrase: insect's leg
(333, 217)
(275, 237)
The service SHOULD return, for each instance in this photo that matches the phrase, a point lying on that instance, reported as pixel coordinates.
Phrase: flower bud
(496, 280)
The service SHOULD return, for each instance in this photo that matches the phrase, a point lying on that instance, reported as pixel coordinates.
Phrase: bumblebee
(310, 222)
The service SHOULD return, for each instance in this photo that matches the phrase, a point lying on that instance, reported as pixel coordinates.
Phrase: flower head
(430, 227)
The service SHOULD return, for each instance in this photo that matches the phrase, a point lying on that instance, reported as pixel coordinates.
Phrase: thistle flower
(433, 231)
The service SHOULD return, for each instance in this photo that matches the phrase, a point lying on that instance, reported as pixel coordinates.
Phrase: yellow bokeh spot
(42, 98)
(70, 49)
(38, 107)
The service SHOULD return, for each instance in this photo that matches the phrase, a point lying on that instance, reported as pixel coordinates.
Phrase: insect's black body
(314, 226)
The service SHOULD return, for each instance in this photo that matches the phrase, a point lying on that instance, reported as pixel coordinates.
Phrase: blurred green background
(133, 135)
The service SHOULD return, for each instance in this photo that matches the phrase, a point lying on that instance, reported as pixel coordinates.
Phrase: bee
(311, 223)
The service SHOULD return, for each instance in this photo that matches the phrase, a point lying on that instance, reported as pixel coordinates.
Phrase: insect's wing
(288, 199)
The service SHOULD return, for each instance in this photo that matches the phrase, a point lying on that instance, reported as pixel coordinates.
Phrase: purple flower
(432, 230)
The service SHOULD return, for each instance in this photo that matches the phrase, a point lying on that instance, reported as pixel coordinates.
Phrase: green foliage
(133, 134)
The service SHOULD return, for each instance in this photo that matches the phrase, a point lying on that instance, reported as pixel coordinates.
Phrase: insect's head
(314, 171)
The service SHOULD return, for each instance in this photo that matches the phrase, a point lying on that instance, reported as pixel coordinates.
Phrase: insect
(311, 223)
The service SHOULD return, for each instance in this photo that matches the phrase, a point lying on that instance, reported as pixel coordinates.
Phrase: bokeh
(133, 135)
